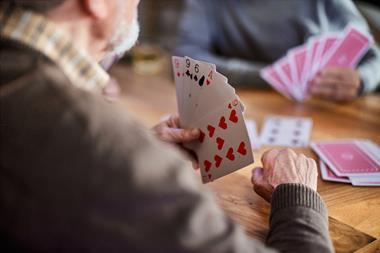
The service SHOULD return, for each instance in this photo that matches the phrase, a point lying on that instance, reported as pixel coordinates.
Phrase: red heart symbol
(218, 160)
(178, 74)
(242, 150)
(233, 117)
(207, 82)
(230, 154)
(229, 106)
(201, 137)
(211, 130)
(207, 165)
(222, 123)
(220, 143)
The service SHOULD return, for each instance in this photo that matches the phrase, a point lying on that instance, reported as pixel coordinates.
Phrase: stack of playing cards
(206, 101)
(349, 161)
(292, 74)
(286, 131)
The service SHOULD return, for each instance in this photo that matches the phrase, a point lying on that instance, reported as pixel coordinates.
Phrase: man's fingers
(178, 135)
(323, 90)
(338, 93)
(260, 185)
(338, 73)
(173, 121)
(333, 73)
(268, 158)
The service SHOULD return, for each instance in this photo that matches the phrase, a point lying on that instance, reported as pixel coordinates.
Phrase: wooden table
(354, 212)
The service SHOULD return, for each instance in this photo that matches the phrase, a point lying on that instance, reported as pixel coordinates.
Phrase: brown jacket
(80, 175)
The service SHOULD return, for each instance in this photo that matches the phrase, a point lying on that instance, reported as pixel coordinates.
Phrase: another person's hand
(169, 130)
(337, 84)
(283, 167)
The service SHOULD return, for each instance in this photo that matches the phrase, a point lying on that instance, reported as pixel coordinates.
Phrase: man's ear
(99, 9)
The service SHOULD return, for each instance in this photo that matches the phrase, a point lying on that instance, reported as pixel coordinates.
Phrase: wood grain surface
(354, 212)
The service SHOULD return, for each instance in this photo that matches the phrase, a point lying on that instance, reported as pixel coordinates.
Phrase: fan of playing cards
(349, 161)
(206, 101)
(291, 75)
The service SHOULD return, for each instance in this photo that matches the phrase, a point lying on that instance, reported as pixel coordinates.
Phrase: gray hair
(35, 5)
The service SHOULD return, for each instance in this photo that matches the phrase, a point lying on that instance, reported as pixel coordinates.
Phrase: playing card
(224, 145)
(286, 131)
(365, 181)
(326, 44)
(347, 158)
(178, 63)
(196, 78)
(216, 88)
(252, 133)
(311, 58)
(284, 71)
(297, 58)
(348, 51)
(270, 75)
(328, 175)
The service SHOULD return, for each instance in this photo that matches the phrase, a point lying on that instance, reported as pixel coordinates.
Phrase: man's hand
(282, 167)
(338, 84)
(169, 130)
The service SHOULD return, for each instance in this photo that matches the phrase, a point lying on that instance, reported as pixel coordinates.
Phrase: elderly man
(78, 174)
(241, 37)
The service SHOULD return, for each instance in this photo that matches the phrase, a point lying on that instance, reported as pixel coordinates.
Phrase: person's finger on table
(338, 84)
(283, 167)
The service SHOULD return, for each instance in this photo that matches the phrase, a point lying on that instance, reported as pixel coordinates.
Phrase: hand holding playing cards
(283, 167)
(169, 130)
(338, 84)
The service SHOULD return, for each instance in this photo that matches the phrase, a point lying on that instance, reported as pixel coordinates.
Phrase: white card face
(212, 95)
(286, 131)
(196, 77)
(224, 146)
(178, 63)
(252, 133)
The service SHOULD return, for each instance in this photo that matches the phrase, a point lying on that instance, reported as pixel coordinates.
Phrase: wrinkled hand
(169, 130)
(282, 167)
(337, 84)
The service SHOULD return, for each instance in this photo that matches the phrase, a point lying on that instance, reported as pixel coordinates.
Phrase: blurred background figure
(241, 37)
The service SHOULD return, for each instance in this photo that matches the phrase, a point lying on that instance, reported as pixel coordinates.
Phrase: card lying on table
(354, 161)
(286, 131)
(206, 101)
(328, 175)
(292, 74)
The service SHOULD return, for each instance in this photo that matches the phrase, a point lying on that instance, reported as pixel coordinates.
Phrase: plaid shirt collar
(44, 36)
